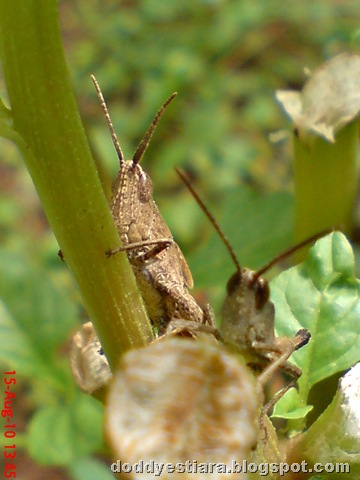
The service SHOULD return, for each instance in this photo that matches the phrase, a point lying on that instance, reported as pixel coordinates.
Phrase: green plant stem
(325, 182)
(45, 116)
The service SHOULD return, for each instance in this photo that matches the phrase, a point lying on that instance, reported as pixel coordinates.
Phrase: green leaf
(289, 406)
(90, 469)
(38, 310)
(16, 350)
(36, 318)
(321, 295)
(60, 434)
(334, 438)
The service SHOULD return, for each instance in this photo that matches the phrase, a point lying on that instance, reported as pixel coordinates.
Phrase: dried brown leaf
(181, 400)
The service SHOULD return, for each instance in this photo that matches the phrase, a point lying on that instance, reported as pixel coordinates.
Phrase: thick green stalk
(45, 116)
(325, 182)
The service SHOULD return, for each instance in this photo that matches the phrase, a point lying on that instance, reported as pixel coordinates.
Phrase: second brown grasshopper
(160, 268)
(248, 314)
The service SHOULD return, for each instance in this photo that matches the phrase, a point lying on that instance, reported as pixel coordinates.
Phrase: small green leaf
(321, 295)
(90, 469)
(288, 406)
(60, 434)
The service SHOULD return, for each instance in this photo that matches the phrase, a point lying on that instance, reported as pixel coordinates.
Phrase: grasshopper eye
(233, 282)
(145, 187)
(262, 292)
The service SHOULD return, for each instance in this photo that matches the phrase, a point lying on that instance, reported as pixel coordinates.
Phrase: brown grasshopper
(160, 268)
(248, 315)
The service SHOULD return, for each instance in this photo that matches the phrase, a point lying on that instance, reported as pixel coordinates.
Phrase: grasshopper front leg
(287, 346)
(159, 244)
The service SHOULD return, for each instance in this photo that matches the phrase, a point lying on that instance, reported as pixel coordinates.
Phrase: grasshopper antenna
(272, 262)
(108, 121)
(291, 250)
(147, 137)
(214, 223)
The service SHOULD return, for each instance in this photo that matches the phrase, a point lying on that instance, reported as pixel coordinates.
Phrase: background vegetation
(225, 59)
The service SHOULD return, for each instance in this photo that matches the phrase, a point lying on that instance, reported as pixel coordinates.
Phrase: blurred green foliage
(225, 58)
